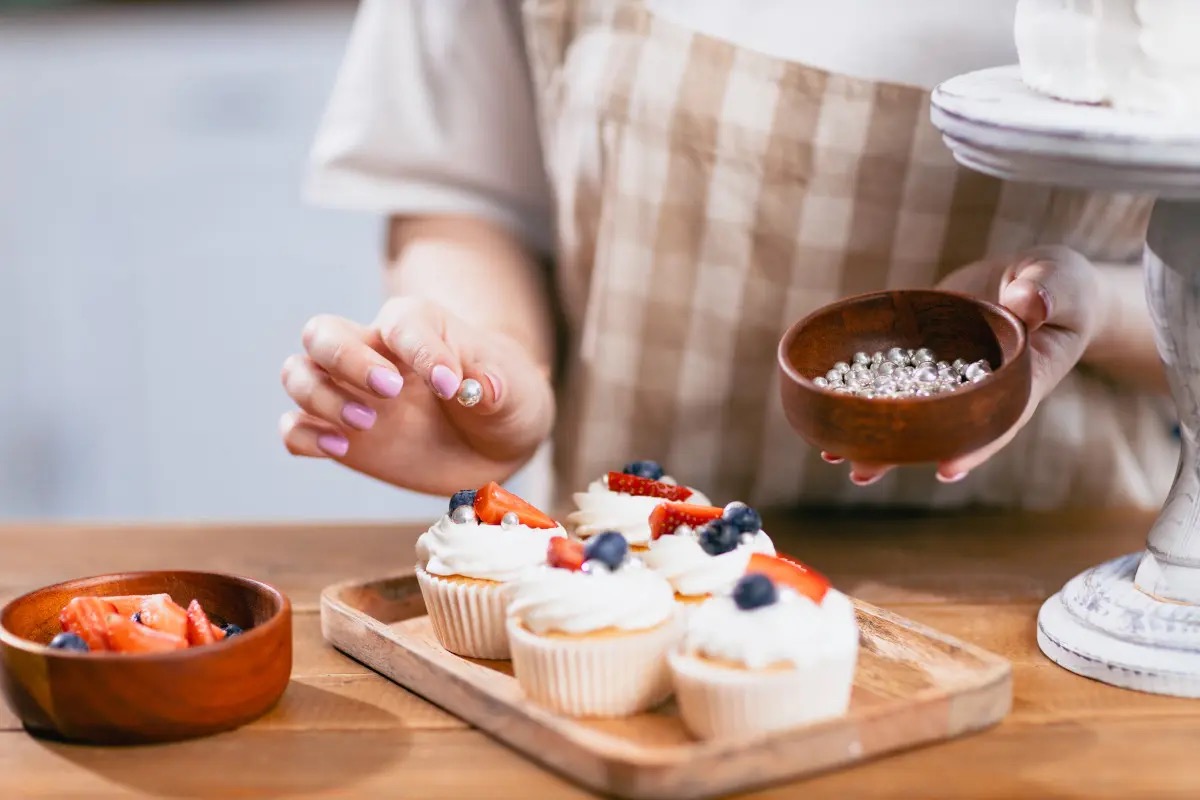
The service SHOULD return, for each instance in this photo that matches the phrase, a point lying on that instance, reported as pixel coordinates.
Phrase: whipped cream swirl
(601, 509)
(794, 630)
(691, 571)
(558, 600)
(487, 552)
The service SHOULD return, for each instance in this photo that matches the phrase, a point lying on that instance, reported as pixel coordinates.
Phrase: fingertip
(385, 382)
(951, 476)
(1029, 300)
(830, 458)
(445, 381)
(865, 475)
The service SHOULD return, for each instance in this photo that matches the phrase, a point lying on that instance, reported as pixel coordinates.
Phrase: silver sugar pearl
(979, 376)
(877, 358)
(959, 365)
(923, 393)
(463, 514)
(843, 389)
(470, 392)
(976, 369)
(886, 368)
(833, 376)
(822, 382)
(510, 520)
(941, 365)
(862, 358)
(924, 354)
(897, 356)
(842, 367)
(926, 375)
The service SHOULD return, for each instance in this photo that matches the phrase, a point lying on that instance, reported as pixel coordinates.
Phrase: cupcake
(486, 539)
(623, 501)
(591, 630)
(703, 550)
(778, 652)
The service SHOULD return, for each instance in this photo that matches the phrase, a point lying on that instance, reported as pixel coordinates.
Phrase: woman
(699, 175)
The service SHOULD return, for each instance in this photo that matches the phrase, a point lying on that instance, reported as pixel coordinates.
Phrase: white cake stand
(1134, 621)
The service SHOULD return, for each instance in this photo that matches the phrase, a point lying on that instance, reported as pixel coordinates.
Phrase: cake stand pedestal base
(1135, 621)
(1103, 627)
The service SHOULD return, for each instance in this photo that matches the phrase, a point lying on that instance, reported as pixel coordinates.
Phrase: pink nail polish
(332, 444)
(356, 415)
(859, 480)
(955, 478)
(385, 382)
(829, 459)
(445, 382)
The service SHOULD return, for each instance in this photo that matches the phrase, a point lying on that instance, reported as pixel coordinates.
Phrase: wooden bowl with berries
(904, 377)
(143, 657)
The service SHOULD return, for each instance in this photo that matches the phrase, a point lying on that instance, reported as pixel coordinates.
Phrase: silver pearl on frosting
(470, 392)
(510, 520)
(463, 514)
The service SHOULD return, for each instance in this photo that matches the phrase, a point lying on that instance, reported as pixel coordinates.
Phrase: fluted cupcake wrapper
(467, 616)
(611, 675)
(718, 702)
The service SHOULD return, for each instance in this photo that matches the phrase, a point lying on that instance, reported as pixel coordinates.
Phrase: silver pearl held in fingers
(470, 393)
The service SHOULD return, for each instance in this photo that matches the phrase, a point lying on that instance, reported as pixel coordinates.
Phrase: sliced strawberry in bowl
(493, 501)
(127, 636)
(161, 613)
(199, 629)
(666, 517)
(86, 618)
(787, 571)
(565, 553)
(644, 487)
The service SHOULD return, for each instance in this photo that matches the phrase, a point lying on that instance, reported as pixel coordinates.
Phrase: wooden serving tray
(913, 686)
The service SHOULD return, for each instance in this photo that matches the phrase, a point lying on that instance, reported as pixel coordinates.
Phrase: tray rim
(993, 675)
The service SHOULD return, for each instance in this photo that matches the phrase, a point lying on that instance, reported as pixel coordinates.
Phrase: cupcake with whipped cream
(465, 560)
(704, 550)
(591, 630)
(780, 651)
(623, 501)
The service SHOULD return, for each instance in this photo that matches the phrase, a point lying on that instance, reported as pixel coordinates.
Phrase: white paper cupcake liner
(605, 676)
(718, 702)
(467, 616)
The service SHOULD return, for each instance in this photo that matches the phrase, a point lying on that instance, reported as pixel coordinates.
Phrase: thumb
(1050, 286)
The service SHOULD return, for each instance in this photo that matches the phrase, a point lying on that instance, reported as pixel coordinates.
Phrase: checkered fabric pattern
(708, 196)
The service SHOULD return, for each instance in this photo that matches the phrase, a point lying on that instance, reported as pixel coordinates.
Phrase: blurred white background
(157, 263)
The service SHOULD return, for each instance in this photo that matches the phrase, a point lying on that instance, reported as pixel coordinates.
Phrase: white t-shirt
(433, 110)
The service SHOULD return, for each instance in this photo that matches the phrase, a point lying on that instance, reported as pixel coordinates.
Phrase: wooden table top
(342, 731)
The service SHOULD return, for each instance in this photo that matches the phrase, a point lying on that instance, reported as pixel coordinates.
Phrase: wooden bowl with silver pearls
(908, 427)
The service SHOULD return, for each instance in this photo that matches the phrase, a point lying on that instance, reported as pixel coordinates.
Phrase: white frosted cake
(1135, 55)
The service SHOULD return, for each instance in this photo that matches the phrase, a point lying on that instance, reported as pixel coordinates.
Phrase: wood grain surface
(341, 731)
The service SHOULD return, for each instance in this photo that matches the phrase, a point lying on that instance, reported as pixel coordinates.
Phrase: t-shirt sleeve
(432, 112)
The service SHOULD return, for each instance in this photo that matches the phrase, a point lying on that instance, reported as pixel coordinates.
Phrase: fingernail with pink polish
(952, 478)
(385, 382)
(444, 381)
(831, 459)
(356, 415)
(859, 480)
(332, 444)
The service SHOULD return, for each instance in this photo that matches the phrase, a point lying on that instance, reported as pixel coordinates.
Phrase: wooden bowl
(905, 430)
(113, 698)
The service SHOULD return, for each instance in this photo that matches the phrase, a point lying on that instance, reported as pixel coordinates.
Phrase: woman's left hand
(1057, 294)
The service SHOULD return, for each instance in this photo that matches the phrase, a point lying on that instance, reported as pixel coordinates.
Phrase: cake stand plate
(1135, 621)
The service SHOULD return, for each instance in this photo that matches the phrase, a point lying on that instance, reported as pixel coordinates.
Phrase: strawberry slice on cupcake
(623, 501)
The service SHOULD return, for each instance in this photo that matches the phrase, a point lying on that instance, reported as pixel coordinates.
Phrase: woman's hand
(1057, 294)
(382, 399)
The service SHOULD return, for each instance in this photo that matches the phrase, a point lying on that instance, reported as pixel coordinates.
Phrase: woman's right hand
(382, 399)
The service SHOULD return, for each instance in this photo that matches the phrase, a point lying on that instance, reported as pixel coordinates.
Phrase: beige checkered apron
(708, 196)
